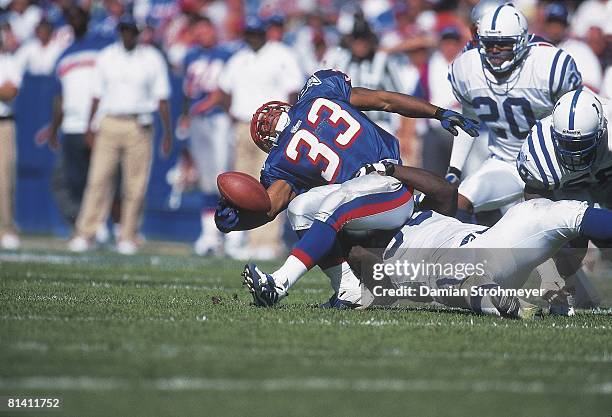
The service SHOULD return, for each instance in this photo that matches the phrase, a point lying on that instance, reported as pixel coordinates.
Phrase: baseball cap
(556, 12)
(253, 23)
(127, 21)
(450, 32)
(276, 20)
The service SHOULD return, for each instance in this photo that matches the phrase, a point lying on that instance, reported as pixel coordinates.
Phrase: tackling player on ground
(528, 234)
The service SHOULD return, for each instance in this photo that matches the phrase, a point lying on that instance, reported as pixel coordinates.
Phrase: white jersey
(431, 230)
(541, 171)
(510, 109)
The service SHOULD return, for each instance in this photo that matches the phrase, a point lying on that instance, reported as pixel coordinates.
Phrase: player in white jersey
(568, 154)
(527, 235)
(509, 83)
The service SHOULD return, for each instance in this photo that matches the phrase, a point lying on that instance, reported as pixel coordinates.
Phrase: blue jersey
(327, 139)
(202, 67)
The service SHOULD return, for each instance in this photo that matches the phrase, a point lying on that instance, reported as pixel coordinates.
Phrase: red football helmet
(264, 122)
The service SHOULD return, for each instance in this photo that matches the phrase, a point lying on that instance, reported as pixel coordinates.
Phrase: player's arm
(229, 218)
(50, 132)
(440, 196)
(408, 106)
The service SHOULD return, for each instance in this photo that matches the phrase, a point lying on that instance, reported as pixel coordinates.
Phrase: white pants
(493, 186)
(333, 203)
(211, 146)
(529, 233)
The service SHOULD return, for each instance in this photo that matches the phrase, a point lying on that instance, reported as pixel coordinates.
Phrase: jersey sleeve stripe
(553, 71)
(561, 79)
(536, 159)
(546, 154)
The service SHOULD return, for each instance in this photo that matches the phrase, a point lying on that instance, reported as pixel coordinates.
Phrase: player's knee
(299, 213)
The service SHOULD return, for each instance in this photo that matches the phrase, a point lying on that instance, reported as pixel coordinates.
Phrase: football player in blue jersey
(316, 147)
(209, 125)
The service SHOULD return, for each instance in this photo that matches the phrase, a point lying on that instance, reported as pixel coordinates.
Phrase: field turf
(159, 335)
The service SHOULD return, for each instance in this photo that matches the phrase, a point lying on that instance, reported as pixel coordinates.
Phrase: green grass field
(176, 336)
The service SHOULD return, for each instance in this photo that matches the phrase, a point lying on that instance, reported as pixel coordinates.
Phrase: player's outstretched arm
(408, 106)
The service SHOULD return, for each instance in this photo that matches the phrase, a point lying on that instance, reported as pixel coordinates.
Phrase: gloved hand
(451, 119)
(382, 168)
(226, 217)
(453, 176)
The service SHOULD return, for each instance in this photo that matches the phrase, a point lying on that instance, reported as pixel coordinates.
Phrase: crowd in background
(262, 50)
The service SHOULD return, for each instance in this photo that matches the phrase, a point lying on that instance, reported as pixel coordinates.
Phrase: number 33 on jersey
(327, 140)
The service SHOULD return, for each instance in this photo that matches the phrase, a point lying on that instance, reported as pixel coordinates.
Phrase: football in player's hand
(243, 191)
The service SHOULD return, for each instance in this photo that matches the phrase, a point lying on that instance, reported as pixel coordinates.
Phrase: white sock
(288, 274)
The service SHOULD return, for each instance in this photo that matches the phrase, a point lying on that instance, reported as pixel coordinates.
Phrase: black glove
(451, 119)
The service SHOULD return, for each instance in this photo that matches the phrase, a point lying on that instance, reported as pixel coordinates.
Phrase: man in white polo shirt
(259, 72)
(74, 72)
(10, 80)
(130, 83)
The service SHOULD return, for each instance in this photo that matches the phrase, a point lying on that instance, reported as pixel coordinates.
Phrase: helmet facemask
(502, 61)
(578, 128)
(268, 122)
(578, 152)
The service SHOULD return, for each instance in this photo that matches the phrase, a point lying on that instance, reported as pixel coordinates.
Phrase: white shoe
(10, 241)
(127, 247)
(78, 244)
(207, 245)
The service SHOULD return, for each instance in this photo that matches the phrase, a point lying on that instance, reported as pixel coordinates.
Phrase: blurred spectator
(156, 14)
(372, 68)
(313, 40)
(556, 29)
(591, 13)
(105, 22)
(74, 75)
(37, 56)
(210, 128)
(437, 142)
(23, 17)
(178, 37)
(275, 30)
(260, 72)
(10, 81)
(131, 82)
